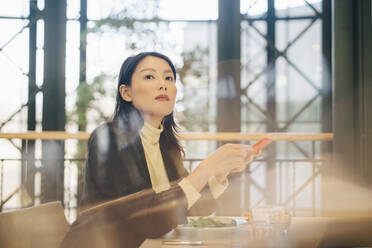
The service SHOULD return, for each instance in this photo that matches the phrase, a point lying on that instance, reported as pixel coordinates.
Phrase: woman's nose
(163, 85)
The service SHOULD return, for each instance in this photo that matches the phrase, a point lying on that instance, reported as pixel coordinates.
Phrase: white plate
(202, 233)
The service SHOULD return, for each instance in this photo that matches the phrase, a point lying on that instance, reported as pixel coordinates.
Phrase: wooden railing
(221, 136)
(283, 163)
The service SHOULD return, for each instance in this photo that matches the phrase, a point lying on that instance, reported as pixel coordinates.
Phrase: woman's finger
(258, 153)
(238, 169)
(249, 151)
(248, 159)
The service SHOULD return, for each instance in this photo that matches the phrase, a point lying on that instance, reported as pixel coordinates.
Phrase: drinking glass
(269, 221)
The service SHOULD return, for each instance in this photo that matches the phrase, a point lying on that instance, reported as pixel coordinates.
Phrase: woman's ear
(125, 92)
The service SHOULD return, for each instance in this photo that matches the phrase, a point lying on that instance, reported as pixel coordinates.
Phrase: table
(303, 232)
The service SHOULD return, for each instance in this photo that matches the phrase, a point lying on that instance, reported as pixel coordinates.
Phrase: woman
(134, 164)
(139, 148)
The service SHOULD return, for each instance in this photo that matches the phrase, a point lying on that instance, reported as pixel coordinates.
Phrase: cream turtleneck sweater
(158, 175)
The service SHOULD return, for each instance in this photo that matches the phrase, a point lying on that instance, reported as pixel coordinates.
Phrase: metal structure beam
(271, 101)
(326, 90)
(343, 85)
(54, 117)
(228, 58)
(228, 87)
(83, 56)
(363, 89)
(28, 147)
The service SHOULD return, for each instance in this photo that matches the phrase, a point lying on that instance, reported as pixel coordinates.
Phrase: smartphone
(262, 143)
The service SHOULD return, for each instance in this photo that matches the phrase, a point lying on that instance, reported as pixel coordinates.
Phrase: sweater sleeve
(192, 195)
(217, 188)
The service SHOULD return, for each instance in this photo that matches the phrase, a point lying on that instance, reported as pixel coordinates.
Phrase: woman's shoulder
(112, 131)
(110, 127)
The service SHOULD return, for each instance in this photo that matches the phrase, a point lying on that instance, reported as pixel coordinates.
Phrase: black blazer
(129, 220)
(116, 166)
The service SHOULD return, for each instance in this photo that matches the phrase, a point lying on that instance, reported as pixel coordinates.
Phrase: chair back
(40, 226)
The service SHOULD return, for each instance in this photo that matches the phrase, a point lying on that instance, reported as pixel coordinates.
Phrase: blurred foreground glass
(269, 221)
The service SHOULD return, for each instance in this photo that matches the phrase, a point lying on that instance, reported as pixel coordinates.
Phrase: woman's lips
(162, 98)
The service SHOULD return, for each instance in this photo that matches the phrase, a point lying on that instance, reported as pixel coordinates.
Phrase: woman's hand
(256, 151)
(227, 159)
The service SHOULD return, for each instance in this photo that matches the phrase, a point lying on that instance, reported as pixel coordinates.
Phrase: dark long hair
(126, 112)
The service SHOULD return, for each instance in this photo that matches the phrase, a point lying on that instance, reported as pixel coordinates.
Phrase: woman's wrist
(199, 177)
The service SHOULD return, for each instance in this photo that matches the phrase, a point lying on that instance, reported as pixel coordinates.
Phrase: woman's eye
(169, 78)
(149, 77)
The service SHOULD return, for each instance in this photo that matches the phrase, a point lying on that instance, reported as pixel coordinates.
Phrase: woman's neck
(153, 121)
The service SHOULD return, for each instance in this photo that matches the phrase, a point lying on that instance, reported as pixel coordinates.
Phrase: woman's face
(152, 90)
